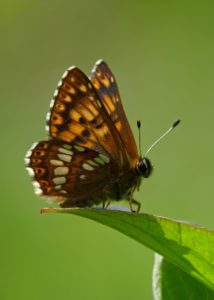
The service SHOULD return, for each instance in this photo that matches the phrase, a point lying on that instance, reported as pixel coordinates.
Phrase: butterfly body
(91, 155)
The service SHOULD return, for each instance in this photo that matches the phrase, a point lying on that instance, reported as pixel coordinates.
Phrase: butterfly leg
(138, 205)
(106, 204)
(133, 201)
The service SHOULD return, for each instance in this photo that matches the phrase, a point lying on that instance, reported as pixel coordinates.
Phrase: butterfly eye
(144, 167)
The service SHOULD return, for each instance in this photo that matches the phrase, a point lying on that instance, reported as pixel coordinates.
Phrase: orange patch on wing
(40, 152)
(96, 84)
(92, 109)
(76, 128)
(74, 115)
(68, 88)
(105, 81)
(43, 145)
(102, 131)
(36, 161)
(39, 172)
(118, 125)
(44, 183)
(66, 136)
(53, 130)
(83, 88)
(59, 107)
(47, 189)
(56, 119)
(86, 114)
(109, 102)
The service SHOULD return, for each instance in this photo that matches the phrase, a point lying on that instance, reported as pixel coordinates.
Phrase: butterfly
(91, 155)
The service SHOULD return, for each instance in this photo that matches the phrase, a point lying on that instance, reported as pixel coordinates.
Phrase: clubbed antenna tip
(176, 123)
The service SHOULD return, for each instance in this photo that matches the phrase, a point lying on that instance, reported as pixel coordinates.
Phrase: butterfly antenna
(139, 136)
(162, 136)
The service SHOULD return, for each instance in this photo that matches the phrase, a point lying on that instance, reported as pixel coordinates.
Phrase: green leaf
(189, 247)
(171, 283)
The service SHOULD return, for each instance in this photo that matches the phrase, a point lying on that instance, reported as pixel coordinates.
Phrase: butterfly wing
(85, 155)
(68, 173)
(78, 116)
(107, 89)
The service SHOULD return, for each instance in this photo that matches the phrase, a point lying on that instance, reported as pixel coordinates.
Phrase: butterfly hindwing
(107, 89)
(67, 173)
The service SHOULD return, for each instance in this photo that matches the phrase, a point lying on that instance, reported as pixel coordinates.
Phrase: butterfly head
(144, 167)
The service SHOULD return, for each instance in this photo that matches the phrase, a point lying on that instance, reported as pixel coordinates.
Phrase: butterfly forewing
(78, 116)
(107, 89)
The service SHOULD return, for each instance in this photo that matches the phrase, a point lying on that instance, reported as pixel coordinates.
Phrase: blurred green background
(162, 54)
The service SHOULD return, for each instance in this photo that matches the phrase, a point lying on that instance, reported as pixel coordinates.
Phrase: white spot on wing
(30, 172)
(87, 167)
(27, 161)
(71, 68)
(56, 162)
(53, 101)
(66, 151)
(28, 154)
(38, 192)
(60, 83)
(63, 192)
(48, 116)
(64, 157)
(66, 146)
(33, 146)
(99, 62)
(36, 184)
(59, 180)
(58, 187)
(93, 163)
(105, 158)
(65, 74)
(99, 160)
(56, 93)
(79, 148)
(61, 171)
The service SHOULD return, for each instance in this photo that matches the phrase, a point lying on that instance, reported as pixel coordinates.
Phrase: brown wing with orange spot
(67, 173)
(106, 86)
(79, 117)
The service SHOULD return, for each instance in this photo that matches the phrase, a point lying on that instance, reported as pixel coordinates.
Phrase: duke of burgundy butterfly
(91, 156)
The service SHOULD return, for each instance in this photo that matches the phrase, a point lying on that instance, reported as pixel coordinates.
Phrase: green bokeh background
(162, 55)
